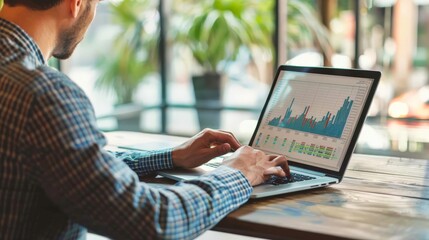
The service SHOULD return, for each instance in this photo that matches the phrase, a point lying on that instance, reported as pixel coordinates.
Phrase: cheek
(89, 19)
(94, 11)
(93, 14)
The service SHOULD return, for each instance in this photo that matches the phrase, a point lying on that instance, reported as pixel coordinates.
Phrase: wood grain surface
(379, 198)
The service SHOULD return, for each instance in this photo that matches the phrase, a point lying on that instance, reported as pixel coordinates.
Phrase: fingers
(223, 137)
(280, 161)
(235, 143)
(216, 151)
(275, 171)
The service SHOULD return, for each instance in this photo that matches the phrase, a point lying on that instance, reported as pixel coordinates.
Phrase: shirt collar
(22, 38)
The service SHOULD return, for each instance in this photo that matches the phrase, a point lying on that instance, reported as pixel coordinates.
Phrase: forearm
(108, 198)
(205, 201)
(144, 163)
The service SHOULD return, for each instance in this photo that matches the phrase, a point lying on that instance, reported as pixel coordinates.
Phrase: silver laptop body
(313, 115)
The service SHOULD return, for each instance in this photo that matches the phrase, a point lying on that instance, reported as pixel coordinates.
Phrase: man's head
(71, 19)
(71, 36)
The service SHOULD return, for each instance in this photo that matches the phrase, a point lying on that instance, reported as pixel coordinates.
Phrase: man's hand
(256, 165)
(204, 146)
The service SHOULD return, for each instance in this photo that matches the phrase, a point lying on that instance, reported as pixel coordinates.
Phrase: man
(55, 176)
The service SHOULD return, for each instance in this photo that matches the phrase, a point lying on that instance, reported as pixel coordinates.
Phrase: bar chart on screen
(311, 120)
(315, 108)
(331, 125)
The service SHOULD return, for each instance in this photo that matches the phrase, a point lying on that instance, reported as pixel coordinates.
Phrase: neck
(41, 26)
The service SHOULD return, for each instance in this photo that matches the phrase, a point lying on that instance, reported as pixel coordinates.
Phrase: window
(168, 43)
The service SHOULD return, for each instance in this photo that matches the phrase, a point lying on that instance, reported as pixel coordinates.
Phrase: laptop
(313, 115)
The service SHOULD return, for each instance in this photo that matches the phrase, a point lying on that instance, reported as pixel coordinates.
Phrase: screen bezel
(357, 73)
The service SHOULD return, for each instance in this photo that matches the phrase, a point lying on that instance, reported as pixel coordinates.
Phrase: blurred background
(176, 67)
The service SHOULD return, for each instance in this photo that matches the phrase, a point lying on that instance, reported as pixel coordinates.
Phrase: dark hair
(33, 4)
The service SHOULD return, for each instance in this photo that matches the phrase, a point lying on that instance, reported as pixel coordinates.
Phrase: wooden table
(379, 198)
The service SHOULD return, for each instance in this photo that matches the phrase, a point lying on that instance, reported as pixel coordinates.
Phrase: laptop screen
(311, 117)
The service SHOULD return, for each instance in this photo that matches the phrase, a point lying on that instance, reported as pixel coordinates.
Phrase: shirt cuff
(167, 158)
(238, 185)
(146, 162)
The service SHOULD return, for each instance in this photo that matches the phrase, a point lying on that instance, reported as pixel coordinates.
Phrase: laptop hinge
(332, 176)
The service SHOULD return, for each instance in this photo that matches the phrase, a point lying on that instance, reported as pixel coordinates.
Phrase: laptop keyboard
(295, 177)
(274, 180)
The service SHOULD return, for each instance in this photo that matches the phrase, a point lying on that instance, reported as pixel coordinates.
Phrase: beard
(70, 38)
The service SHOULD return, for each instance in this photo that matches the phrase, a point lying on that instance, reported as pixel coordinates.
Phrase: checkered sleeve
(93, 188)
(146, 162)
(205, 201)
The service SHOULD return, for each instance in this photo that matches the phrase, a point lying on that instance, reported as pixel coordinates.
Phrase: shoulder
(52, 90)
(46, 80)
(24, 72)
(51, 87)
(44, 83)
(43, 88)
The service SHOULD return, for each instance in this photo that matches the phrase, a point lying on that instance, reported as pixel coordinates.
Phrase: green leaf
(214, 30)
(133, 55)
(304, 28)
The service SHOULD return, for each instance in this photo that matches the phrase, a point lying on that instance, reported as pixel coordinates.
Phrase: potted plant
(305, 30)
(131, 58)
(214, 31)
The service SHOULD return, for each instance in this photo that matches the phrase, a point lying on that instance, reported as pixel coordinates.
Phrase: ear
(75, 7)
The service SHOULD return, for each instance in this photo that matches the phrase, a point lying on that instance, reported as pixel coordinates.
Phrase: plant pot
(207, 89)
(128, 117)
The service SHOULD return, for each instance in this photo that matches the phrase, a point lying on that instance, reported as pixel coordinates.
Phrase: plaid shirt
(56, 178)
